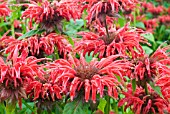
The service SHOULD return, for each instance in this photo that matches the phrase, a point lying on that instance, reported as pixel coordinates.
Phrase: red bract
(78, 76)
(121, 41)
(141, 103)
(49, 15)
(4, 10)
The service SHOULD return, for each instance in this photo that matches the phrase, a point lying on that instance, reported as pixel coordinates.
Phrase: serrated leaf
(30, 33)
(102, 104)
(157, 89)
(76, 107)
(149, 36)
(140, 25)
(134, 85)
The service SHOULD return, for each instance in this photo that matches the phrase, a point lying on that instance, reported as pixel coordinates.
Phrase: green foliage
(76, 107)
(30, 33)
(102, 104)
(157, 89)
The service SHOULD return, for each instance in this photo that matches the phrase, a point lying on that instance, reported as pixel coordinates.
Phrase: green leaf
(140, 25)
(89, 58)
(134, 85)
(102, 104)
(76, 107)
(147, 49)
(157, 89)
(30, 33)
(121, 21)
(149, 36)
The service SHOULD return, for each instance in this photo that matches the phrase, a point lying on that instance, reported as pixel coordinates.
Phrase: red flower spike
(91, 78)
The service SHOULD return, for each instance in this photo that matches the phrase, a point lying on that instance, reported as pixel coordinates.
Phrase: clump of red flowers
(104, 63)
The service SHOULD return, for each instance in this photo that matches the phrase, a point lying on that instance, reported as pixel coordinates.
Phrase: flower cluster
(111, 56)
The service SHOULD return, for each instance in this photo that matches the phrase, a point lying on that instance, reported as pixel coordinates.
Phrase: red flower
(50, 15)
(151, 25)
(146, 68)
(78, 76)
(121, 41)
(156, 10)
(163, 79)
(45, 90)
(34, 45)
(165, 19)
(4, 10)
(100, 10)
(141, 103)
(48, 43)
(15, 75)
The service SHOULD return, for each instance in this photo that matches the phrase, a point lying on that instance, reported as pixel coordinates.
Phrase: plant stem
(146, 89)
(107, 108)
(56, 53)
(10, 106)
(107, 32)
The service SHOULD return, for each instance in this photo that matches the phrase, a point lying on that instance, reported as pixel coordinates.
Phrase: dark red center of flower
(86, 71)
(107, 41)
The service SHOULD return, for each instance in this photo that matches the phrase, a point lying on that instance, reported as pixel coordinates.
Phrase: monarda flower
(151, 24)
(164, 19)
(49, 16)
(156, 10)
(44, 89)
(4, 10)
(121, 41)
(79, 77)
(14, 76)
(99, 10)
(142, 103)
(35, 46)
(148, 68)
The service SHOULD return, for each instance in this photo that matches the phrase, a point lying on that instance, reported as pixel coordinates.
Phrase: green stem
(115, 107)
(146, 89)
(10, 106)
(134, 20)
(56, 53)
(105, 23)
(107, 108)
